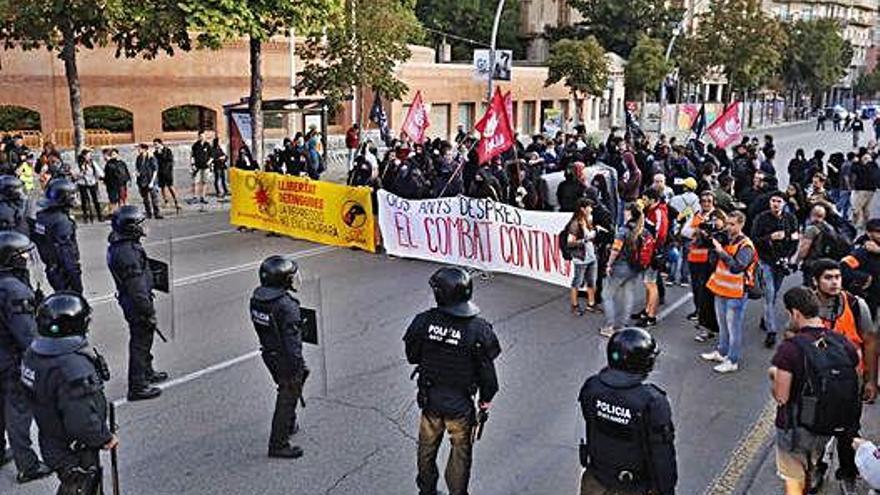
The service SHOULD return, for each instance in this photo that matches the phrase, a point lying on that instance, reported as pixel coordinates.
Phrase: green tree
(581, 66)
(472, 19)
(647, 67)
(362, 47)
(738, 37)
(618, 24)
(867, 85)
(63, 27)
(218, 21)
(815, 57)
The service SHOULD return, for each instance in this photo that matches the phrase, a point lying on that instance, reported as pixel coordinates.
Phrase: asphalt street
(208, 433)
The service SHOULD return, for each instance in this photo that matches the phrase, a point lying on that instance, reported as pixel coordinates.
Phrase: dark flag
(698, 127)
(378, 117)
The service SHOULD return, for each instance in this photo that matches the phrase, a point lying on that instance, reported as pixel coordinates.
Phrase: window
(528, 124)
(466, 115)
(113, 119)
(189, 118)
(14, 118)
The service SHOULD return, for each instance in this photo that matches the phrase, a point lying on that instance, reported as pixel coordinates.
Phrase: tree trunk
(578, 108)
(256, 100)
(68, 55)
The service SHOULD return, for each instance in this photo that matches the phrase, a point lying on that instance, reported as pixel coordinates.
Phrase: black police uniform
(55, 236)
(454, 357)
(14, 208)
(276, 317)
(630, 437)
(128, 264)
(17, 330)
(66, 382)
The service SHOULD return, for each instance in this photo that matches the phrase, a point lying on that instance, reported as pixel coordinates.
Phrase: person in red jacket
(657, 223)
(352, 142)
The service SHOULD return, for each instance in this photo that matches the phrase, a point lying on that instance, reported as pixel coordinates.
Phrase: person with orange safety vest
(861, 267)
(698, 232)
(849, 315)
(734, 274)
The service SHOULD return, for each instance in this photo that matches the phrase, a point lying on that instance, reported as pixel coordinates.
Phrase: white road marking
(221, 272)
(672, 307)
(189, 237)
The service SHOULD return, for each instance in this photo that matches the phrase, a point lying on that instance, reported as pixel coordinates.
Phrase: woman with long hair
(87, 175)
(581, 233)
(624, 270)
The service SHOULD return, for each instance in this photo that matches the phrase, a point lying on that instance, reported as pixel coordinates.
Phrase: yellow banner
(317, 211)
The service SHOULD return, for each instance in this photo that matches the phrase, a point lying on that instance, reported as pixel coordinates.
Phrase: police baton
(114, 457)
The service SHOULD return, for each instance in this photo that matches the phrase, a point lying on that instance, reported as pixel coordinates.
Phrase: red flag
(416, 122)
(727, 128)
(508, 103)
(497, 135)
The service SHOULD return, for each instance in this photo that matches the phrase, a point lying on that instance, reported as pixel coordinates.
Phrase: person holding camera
(698, 232)
(734, 274)
(775, 233)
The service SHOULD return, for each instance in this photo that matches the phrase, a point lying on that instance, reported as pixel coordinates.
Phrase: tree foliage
(581, 65)
(362, 49)
(647, 66)
(739, 37)
(868, 85)
(618, 24)
(472, 19)
(816, 55)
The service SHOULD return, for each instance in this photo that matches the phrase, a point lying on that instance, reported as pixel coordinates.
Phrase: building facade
(147, 90)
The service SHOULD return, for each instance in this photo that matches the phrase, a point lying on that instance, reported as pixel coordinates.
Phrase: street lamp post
(498, 11)
(676, 31)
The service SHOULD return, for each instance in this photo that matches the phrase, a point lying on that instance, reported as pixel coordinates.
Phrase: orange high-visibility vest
(724, 283)
(697, 254)
(846, 325)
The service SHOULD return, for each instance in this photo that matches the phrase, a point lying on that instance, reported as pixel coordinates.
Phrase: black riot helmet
(11, 187)
(279, 271)
(453, 289)
(63, 314)
(129, 221)
(632, 349)
(15, 248)
(61, 192)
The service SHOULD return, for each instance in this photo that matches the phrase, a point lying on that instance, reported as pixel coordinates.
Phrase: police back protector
(618, 424)
(449, 353)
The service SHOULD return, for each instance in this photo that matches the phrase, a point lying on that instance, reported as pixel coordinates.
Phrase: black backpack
(832, 244)
(563, 242)
(829, 402)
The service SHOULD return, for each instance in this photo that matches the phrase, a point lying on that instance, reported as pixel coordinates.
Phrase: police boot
(143, 392)
(35, 472)
(286, 452)
(157, 376)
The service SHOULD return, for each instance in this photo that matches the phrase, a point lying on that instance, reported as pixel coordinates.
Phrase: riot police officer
(453, 350)
(14, 207)
(131, 272)
(66, 382)
(55, 235)
(276, 316)
(17, 329)
(629, 446)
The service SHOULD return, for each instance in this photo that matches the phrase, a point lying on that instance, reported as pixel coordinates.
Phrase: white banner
(479, 233)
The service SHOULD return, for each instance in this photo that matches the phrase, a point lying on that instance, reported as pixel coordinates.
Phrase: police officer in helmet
(131, 272)
(275, 313)
(54, 233)
(453, 350)
(65, 379)
(14, 207)
(17, 329)
(629, 446)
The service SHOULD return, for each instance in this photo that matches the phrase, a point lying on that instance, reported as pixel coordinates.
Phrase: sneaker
(713, 356)
(669, 282)
(286, 452)
(648, 321)
(726, 367)
(638, 316)
(685, 283)
(606, 331)
(35, 472)
(703, 335)
(693, 316)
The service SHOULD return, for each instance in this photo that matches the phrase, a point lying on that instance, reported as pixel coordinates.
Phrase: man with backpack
(820, 240)
(629, 446)
(816, 387)
(848, 315)
(731, 281)
(775, 233)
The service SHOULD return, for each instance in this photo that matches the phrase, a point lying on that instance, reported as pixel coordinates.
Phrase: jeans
(772, 282)
(150, 196)
(622, 283)
(220, 181)
(844, 204)
(458, 466)
(730, 314)
(88, 198)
